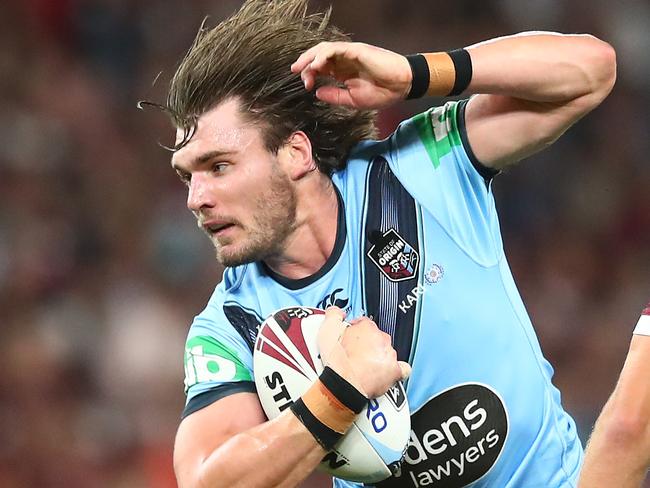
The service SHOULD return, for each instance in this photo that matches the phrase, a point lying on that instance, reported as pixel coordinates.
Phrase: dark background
(102, 267)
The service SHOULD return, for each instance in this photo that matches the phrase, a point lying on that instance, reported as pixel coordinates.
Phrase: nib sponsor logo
(456, 438)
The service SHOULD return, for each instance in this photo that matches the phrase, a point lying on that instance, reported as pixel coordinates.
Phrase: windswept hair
(248, 57)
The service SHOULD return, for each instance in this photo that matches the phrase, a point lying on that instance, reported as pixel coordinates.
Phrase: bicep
(203, 431)
(502, 130)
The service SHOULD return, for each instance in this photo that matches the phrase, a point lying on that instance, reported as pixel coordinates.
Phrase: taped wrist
(440, 74)
(329, 407)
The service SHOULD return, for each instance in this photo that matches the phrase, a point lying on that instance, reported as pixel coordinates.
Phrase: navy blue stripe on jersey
(202, 400)
(484, 171)
(244, 320)
(391, 220)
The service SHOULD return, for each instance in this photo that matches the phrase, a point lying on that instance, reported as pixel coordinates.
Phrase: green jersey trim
(208, 360)
(438, 131)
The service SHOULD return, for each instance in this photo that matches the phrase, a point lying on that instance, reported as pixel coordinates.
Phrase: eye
(219, 167)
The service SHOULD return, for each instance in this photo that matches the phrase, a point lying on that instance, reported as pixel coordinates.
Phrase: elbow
(599, 71)
(201, 476)
(192, 473)
(605, 69)
(624, 430)
(185, 478)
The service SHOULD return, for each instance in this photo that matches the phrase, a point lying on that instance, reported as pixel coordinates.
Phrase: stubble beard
(272, 224)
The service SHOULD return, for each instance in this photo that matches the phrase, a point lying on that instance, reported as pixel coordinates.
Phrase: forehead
(223, 128)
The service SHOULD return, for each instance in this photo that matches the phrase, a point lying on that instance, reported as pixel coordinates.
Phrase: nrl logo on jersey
(394, 257)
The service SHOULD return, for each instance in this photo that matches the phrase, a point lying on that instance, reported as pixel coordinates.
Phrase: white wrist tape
(643, 325)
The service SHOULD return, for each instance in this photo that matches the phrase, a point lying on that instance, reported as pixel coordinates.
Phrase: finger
(309, 79)
(303, 60)
(331, 329)
(366, 320)
(325, 55)
(405, 368)
(299, 65)
(335, 96)
(320, 58)
(307, 57)
(334, 311)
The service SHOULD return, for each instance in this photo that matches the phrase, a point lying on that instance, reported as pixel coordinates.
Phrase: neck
(308, 247)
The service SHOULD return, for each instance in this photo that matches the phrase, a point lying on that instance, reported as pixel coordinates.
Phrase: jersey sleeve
(643, 325)
(218, 362)
(432, 158)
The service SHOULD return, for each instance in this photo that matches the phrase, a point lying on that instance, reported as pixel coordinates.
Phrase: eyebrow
(204, 158)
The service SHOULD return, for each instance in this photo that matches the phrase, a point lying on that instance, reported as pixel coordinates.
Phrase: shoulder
(233, 309)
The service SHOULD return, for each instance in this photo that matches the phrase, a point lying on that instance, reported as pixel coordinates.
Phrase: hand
(373, 77)
(360, 353)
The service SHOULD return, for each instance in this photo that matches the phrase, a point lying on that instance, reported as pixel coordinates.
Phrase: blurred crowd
(102, 267)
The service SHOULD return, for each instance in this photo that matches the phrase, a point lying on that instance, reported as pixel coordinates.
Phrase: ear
(296, 157)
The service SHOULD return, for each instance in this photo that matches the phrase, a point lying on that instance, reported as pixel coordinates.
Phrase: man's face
(237, 189)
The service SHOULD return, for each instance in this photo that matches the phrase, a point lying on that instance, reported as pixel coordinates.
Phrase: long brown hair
(248, 57)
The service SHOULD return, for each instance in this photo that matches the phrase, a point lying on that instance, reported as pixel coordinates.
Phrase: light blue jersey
(418, 249)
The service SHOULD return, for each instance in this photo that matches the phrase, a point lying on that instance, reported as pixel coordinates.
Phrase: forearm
(230, 443)
(618, 452)
(543, 67)
(279, 453)
(615, 456)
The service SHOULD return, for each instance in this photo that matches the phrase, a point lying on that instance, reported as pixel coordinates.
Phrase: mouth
(217, 228)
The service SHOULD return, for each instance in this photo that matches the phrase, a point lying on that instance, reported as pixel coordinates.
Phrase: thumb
(334, 95)
(406, 369)
(330, 331)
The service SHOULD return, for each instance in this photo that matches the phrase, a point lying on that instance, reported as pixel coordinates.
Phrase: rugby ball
(286, 362)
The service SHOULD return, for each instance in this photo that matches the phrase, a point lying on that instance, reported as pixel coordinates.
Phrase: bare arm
(618, 453)
(230, 444)
(530, 87)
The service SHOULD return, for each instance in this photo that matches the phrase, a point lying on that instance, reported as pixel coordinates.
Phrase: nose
(199, 195)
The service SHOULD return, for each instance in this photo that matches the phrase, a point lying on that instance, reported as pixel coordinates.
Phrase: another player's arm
(618, 452)
(231, 444)
(530, 87)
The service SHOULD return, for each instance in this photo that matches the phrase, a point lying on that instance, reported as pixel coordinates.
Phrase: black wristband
(344, 392)
(325, 436)
(421, 76)
(463, 65)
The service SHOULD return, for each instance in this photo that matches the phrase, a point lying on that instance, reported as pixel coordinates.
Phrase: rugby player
(274, 111)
